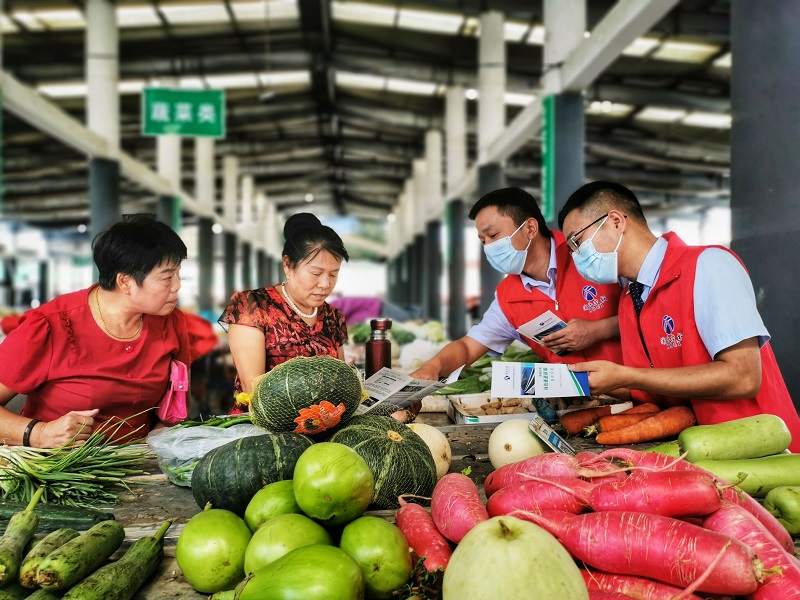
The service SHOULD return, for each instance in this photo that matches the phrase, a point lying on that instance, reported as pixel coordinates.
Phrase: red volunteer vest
(669, 333)
(577, 299)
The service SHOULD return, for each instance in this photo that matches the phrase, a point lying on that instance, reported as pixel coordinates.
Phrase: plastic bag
(180, 448)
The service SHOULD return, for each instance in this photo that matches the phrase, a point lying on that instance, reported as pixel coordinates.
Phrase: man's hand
(577, 335)
(428, 370)
(604, 376)
(74, 427)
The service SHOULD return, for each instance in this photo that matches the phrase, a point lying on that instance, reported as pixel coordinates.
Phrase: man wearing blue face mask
(541, 277)
(690, 329)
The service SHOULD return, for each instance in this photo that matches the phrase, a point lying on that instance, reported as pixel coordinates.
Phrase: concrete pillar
(205, 193)
(419, 279)
(229, 260)
(432, 302)
(230, 187)
(102, 111)
(456, 149)
(490, 177)
(44, 281)
(169, 162)
(247, 266)
(765, 213)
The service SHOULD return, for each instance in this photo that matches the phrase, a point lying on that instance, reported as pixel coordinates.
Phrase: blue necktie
(635, 288)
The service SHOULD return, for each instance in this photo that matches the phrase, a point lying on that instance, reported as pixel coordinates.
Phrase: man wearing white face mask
(541, 277)
(689, 325)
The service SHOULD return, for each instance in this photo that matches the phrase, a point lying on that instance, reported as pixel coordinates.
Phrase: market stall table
(153, 499)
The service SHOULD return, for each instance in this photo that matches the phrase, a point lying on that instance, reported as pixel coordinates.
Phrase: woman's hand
(74, 427)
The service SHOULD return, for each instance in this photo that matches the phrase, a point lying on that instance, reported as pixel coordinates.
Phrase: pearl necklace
(103, 321)
(294, 306)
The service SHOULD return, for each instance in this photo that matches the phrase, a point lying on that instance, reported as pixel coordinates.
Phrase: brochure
(537, 380)
(399, 389)
(542, 326)
(550, 437)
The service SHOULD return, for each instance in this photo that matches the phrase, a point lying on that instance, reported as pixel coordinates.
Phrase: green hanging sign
(191, 113)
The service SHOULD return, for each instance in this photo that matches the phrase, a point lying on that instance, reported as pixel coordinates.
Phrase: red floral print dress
(286, 335)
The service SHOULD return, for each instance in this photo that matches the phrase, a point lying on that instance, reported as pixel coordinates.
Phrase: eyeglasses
(572, 241)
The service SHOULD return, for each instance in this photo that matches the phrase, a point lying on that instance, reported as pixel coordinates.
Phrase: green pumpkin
(229, 476)
(311, 395)
(400, 460)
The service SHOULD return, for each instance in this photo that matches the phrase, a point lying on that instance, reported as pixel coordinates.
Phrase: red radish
(735, 521)
(667, 493)
(655, 460)
(456, 506)
(640, 588)
(662, 548)
(418, 528)
(554, 493)
(552, 464)
(604, 595)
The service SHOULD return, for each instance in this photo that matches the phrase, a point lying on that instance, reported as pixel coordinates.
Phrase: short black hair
(305, 237)
(135, 246)
(600, 197)
(512, 202)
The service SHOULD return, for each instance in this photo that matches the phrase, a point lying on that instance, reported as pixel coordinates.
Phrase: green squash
(310, 395)
(400, 460)
(229, 476)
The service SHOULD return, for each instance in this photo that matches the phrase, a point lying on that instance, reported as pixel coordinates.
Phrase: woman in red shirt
(270, 325)
(101, 354)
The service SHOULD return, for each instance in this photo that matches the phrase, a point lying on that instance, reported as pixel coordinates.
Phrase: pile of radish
(639, 525)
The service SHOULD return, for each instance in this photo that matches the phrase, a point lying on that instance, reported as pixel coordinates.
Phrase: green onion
(83, 476)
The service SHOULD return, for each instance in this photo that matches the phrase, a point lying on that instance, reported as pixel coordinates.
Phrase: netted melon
(400, 460)
(309, 395)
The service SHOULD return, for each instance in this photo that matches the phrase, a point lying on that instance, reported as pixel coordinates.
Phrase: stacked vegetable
(477, 378)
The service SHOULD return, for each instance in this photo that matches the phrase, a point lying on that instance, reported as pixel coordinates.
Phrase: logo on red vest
(670, 340)
(593, 301)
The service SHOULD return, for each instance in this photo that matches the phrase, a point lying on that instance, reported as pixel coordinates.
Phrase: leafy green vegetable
(402, 336)
(359, 333)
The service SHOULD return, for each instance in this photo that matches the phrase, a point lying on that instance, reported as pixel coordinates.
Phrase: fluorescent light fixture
(408, 86)
(63, 90)
(685, 52)
(518, 98)
(515, 31)
(471, 94)
(724, 61)
(285, 78)
(536, 36)
(434, 22)
(363, 12)
(137, 16)
(360, 81)
(7, 25)
(660, 115)
(61, 19)
(29, 20)
(309, 197)
(232, 80)
(609, 109)
(641, 46)
(192, 83)
(269, 11)
(706, 119)
(471, 26)
(192, 14)
(131, 86)
(587, 35)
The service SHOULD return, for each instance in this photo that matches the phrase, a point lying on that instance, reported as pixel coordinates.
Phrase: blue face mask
(597, 267)
(504, 257)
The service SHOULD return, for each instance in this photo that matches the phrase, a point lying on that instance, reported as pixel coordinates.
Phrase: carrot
(416, 525)
(575, 420)
(668, 422)
(554, 493)
(667, 493)
(652, 460)
(635, 587)
(784, 582)
(456, 506)
(645, 407)
(614, 422)
(661, 548)
(551, 464)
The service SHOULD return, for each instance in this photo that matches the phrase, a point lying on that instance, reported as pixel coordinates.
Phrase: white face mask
(503, 257)
(597, 267)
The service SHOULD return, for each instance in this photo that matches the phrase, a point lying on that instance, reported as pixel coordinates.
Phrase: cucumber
(120, 580)
(760, 474)
(55, 516)
(43, 594)
(749, 437)
(30, 564)
(14, 592)
(19, 532)
(67, 565)
(671, 448)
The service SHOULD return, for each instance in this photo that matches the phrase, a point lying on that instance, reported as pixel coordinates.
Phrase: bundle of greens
(83, 476)
(477, 378)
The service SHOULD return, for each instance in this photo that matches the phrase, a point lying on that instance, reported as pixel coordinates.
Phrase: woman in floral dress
(270, 325)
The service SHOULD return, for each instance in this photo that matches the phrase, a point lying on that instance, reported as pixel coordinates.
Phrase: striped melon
(400, 460)
(307, 394)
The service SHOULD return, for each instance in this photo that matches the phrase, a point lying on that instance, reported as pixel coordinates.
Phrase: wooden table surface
(155, 499)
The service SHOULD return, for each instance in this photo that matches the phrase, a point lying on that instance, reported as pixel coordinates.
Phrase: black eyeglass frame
(572, 241)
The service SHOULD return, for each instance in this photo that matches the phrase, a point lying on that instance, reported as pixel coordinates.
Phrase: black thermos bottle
(379, 347)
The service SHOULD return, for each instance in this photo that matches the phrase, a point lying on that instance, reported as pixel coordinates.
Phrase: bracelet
(26, 435)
